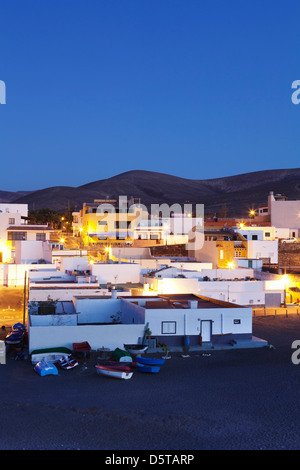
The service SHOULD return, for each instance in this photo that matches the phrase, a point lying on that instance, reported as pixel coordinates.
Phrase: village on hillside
(108, 276)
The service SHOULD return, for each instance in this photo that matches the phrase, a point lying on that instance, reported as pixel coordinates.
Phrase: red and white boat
(115, 371)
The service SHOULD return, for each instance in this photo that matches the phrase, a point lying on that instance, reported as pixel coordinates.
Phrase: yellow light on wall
(62, 240)
(286, 280)
(230, 265)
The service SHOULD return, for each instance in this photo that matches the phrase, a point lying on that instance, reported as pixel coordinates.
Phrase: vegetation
(55, 219)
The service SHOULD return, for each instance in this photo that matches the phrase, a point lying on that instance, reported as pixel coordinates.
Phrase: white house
(21, 242)
(238, 286)
(111, 322)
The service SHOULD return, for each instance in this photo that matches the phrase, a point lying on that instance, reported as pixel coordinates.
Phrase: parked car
(289, 240)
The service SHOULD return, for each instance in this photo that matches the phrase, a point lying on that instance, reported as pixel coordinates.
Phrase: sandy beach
(236, 399)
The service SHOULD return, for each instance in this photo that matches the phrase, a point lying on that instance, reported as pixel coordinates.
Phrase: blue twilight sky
(197, 89)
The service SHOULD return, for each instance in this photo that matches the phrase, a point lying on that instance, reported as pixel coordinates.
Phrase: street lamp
(80, 230)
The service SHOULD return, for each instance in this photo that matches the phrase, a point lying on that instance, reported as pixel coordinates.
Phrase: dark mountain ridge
(237, 193)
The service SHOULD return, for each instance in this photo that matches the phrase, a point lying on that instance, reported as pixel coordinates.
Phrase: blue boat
(150, 361)
(17, 334)
(19, 326)
(45, 368)
(147, 368)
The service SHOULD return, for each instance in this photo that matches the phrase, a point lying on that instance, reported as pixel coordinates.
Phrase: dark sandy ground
(238, 399)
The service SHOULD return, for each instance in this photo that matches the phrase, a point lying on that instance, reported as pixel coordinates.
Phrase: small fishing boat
(118, 365)
(151, 361)
(68, 363)
(114, 366)
(19, 326)
(17, 335)
(114, 372)
(45, 368)
(135, 349)
(50, 354)
(148, 368)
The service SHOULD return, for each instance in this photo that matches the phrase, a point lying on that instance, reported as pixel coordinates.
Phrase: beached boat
(151, 361)
(148, 368)
(50, 354)
(114, 372)
(19, 326)
(17, 335)
(68, 363)
(135, 349)
(45, 368)
(114, 366)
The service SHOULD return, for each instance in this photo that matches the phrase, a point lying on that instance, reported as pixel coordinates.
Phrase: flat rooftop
(169, 301)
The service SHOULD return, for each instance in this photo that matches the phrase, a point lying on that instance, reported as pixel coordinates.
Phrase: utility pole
(24, 300)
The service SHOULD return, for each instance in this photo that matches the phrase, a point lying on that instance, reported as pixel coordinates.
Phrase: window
(12, 221)
(254, 237)
(46, 310)
(267, 234)
(17, 236)
(237, 321)
(122, 224)
(168, 327)
(40, 237)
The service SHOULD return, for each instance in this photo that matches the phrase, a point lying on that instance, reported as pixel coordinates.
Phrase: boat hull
(150, 361)
(135, 349)
(114, 373)
(43, 368)
(50, 354)
(148, 369)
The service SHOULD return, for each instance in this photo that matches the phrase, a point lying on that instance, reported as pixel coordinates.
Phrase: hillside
(238, 193)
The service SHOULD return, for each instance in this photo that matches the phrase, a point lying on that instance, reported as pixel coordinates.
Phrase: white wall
(240, 292)
(98, 336)
(30, 251)
(11, 208)
(129, 272)
(191, 266)
(263, 249)
(220, 273)
(71, 263)
(96, 310)
(284, 213)
(222, 320)
(13, 274)
(173, 285)
(64, 293)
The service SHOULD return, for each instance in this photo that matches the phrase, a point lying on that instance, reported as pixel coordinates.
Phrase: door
(272, 300)
(206, 330)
